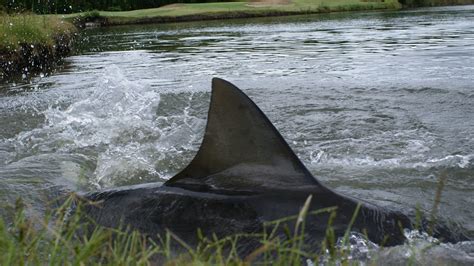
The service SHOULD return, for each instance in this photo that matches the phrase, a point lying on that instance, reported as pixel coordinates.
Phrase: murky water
(376, 105)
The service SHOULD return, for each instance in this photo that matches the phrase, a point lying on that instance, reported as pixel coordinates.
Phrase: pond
(377, 105)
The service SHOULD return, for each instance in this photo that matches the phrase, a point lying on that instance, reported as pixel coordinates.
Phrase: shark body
(243, 175)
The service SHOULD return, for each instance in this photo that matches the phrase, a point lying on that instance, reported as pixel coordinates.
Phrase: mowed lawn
(244, 7)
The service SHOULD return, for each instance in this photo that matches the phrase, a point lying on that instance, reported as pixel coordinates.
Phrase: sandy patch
(268, 2)
(171, 6)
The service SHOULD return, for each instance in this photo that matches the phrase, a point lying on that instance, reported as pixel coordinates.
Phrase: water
(376, 105)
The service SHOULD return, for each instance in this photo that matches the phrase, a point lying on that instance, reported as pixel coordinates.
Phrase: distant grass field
(31, 29)
(238, 9)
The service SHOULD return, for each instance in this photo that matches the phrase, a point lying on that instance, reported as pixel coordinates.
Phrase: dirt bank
(32, 43)
(29, 59)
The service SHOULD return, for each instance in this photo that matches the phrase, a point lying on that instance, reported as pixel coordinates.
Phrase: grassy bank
(243, 9)
(31, 43)
(74, 6)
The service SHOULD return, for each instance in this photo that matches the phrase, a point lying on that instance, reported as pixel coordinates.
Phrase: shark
(244, 176)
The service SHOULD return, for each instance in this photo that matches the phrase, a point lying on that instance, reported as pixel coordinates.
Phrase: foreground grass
(59, 239)
(31, 29)
(65, 236)
(55, 240)
(185, 12)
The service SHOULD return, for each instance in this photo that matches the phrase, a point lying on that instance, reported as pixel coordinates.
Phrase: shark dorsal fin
(242, 150)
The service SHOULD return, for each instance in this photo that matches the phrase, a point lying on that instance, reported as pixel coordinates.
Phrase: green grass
(239, 9)
(58, 239)
(55, 240)
(65, 236)
(31, 30)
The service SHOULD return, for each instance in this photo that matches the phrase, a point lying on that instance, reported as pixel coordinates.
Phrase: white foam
(323, 158)
(116, 122)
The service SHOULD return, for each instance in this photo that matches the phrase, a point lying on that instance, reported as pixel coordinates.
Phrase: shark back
(244, 175)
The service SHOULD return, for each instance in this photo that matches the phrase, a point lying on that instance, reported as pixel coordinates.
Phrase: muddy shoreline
(29, 59)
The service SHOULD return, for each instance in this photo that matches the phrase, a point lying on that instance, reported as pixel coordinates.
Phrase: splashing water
(118, 126)
(419, 249)
(422, 249)
(357, 249)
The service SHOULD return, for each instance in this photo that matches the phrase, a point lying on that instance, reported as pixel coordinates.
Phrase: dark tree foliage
(71, 6)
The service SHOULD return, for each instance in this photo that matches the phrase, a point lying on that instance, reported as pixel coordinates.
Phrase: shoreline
(241, 10)
(33, 44)
(26, 58)
(224, 11)
(30, 59)
(104, 22)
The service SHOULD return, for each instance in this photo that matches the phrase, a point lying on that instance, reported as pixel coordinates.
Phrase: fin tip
(218, 84)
